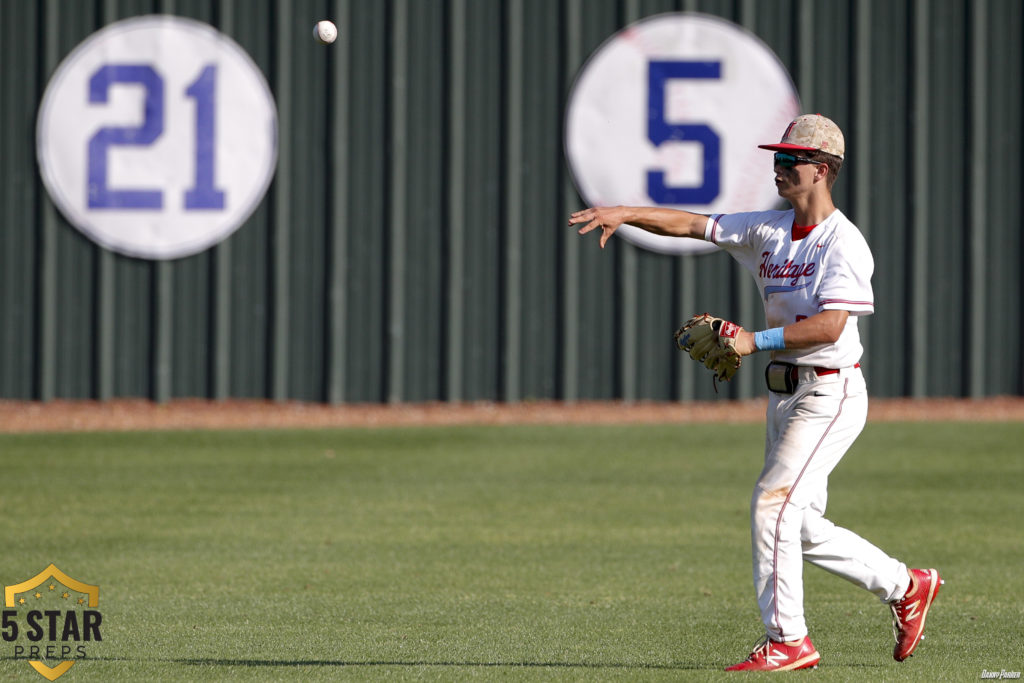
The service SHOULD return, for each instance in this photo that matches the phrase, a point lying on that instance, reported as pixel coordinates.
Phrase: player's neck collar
(802, 231)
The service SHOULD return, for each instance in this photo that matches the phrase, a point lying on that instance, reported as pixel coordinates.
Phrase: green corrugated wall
(413, 247)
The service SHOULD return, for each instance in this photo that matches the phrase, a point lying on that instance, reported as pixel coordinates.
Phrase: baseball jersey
(828, 269)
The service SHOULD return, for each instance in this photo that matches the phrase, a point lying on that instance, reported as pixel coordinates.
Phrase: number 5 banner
(157, 137)
(669, 111)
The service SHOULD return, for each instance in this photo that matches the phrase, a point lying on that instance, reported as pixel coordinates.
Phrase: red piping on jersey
(714, 229)
(778, 521)
(825, 302)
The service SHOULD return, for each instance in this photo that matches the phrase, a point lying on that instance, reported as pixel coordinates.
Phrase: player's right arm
(657, 220)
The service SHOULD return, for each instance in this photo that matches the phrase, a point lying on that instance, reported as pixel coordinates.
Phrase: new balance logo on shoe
(912, 611)
(775, 657)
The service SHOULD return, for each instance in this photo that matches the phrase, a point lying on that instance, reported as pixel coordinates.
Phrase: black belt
(782, 378)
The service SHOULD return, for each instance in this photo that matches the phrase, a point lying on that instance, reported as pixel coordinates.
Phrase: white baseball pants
(808, 432)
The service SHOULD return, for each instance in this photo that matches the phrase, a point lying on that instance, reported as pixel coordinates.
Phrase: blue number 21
(203, 194)
(660, 131)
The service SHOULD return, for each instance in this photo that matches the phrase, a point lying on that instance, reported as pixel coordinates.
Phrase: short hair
(834, 165)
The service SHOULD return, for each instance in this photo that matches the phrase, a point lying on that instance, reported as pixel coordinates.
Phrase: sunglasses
(789, 161)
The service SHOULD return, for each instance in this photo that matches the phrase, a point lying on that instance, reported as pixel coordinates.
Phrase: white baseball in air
(325, 32)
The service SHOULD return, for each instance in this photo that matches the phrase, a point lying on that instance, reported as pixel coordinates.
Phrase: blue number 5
(100, 194)
(660, 131)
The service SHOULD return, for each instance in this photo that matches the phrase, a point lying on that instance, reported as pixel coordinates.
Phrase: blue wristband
(769, 340)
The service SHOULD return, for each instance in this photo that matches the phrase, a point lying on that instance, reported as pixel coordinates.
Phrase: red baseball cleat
(910, 611)
(772, 656)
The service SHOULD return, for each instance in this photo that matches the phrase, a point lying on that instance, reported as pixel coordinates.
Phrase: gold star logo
(52, 580)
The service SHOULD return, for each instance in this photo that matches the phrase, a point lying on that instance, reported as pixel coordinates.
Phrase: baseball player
(813, 269)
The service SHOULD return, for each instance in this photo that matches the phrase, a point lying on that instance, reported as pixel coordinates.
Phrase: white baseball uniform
(809, 430)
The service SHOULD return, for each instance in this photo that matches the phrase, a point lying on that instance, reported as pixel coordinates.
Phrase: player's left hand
(717, 343)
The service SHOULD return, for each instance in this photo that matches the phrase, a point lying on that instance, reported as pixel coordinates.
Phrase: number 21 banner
(157, 137)
(669, 111)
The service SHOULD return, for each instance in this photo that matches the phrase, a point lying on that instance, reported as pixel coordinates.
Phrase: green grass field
(533, 553)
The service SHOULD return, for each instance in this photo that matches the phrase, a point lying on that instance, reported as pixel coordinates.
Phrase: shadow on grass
(382, 663)
(268, 663)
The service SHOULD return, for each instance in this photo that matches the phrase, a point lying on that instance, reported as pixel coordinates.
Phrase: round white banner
(157, 136)
(669, 111)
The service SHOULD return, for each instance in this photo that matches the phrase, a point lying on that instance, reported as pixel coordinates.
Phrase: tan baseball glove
(711, 341)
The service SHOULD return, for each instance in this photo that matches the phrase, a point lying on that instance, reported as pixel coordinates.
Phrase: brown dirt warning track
(131, 414)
